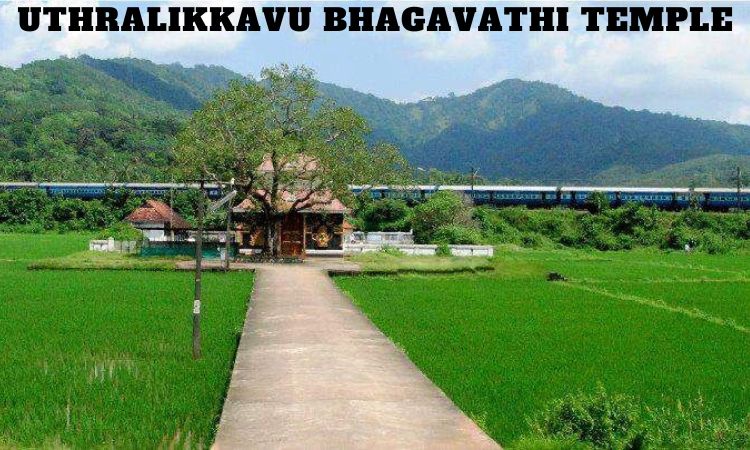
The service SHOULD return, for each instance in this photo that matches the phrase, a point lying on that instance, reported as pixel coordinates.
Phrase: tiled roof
(156, 211)
(320, 202)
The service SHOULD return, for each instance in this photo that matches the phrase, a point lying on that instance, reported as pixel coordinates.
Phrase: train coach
(89, 191)
(718, 199)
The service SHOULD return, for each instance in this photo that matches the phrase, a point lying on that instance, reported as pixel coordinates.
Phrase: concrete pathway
(313, 372)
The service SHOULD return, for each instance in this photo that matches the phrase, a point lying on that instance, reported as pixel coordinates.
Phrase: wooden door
(291, 233)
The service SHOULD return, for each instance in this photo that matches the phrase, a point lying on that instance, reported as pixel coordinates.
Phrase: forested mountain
(537, 132)
(708, 171)
(87, 119)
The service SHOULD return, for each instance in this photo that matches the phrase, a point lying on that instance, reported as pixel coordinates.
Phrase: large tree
(285, 147)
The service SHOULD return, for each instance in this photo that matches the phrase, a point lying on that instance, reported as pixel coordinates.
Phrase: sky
(695, 74)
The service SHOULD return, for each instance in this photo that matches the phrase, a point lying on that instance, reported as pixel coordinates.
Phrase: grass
(88, 260)
(103, 358)
(385, 263)
(502, 344)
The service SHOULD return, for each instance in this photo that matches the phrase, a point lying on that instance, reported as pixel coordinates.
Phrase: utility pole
(198, 262)
(229, 228)
(739, 188)
(474, 172)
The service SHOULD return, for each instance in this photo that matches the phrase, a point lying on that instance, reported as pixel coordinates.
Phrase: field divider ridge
(694, 313)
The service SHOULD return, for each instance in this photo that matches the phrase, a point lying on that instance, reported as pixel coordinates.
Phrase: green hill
(88, 119)
(709, 171)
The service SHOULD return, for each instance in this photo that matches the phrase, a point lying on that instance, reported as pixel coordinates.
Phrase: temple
(317, 229)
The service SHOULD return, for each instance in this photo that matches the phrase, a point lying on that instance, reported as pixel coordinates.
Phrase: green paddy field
(103, 358)
(663, 327)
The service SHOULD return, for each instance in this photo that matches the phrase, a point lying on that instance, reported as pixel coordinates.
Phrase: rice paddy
(663, 327)
(103, 358)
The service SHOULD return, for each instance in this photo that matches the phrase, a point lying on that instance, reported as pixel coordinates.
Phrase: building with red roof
(158, 221)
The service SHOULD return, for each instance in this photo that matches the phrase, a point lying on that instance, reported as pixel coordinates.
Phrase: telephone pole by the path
(198, 264)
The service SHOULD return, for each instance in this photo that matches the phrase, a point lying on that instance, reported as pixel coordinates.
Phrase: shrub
(121, 231)
(24, 206)
(442, 209)
(714, 243)
(386, 215)
(457, 234)
(443, 250)
(390, 250)
(606, 421)
(534, 240)
(602, 420)
(597, 202)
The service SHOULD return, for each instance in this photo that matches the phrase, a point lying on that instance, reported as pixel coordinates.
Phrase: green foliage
(715, 170)
(277, 137)
(442, 209)
(597, 202)
(390, 250)
(390, 262)
(457, 234)
(385, 215)
(614, 422)
(605, 421)
(66, 120)
(24, 207)
(33, 211)
(629, 226)
(85, 119)
(443, 250)
(693, 425)
(121, 231)
(542, 123)
(89, 260)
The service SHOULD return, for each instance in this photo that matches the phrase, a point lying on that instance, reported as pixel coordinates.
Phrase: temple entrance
(291, 235)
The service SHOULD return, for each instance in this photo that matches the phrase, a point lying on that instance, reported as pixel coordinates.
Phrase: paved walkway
(313, 372)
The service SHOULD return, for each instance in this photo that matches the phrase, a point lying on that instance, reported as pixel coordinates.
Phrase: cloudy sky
(696, 74)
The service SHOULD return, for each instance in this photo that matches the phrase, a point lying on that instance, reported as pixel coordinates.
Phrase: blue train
(719, 199)
(89, 191)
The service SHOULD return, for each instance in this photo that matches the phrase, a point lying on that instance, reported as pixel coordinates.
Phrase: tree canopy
(284, 147)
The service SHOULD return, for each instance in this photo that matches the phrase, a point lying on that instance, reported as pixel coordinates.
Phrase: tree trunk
(272, 244)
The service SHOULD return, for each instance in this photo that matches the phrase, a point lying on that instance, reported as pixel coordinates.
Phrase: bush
(597, 202)
(121, 231)
(443, 250)
(602, 420)
(24, 206)
(386, 215)
(442, 209)
(606, 421)
(714, 243)
(456, 234)
(390, 250)
(534, 240)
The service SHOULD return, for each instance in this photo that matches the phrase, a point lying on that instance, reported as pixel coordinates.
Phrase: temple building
(315, 229)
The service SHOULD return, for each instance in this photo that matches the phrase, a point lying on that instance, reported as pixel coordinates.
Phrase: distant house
(159, 222)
